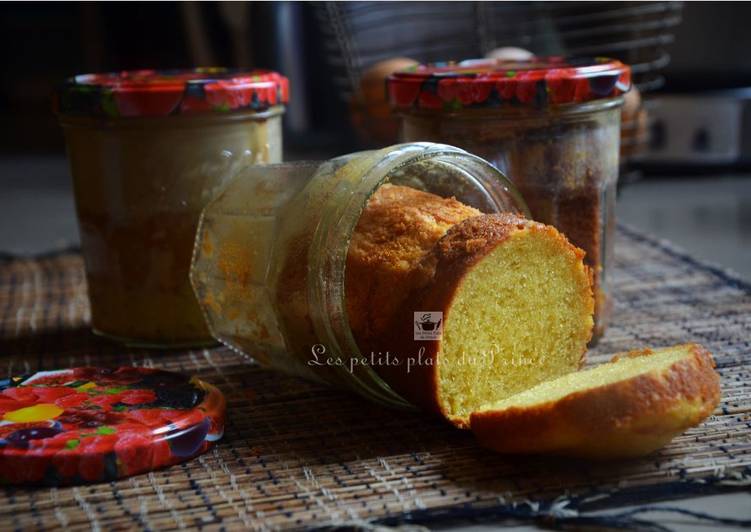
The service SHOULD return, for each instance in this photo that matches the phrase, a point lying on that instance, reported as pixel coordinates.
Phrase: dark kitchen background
(686, 173)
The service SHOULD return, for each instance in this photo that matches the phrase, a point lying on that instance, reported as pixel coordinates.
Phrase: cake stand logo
(428, 325)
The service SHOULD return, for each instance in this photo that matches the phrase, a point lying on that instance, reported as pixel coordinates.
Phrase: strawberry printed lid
(150, 93)
(478, 83)
(88, 424)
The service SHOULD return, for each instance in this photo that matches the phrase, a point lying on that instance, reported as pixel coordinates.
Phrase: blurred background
(686, 139)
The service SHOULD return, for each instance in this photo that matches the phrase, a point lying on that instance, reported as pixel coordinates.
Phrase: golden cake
(509, 306)
(516, 304)
(629, 407)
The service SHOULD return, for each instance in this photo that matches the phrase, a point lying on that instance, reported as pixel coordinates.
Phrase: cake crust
(626, 418)
(398, 226)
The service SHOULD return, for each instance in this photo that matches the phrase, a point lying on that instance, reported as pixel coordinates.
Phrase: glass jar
(147, 151)
(552, 125)
(270, 254)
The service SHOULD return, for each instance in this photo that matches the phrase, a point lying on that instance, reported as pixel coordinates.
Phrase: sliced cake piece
(515, 305)
(630, 406)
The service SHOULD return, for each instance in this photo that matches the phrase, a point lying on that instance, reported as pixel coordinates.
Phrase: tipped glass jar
(552, 125)
(271, 249)
(147, 151)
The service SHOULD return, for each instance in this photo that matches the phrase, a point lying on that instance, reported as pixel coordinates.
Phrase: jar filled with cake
(147, 151)
(550, 124)
(411, 275)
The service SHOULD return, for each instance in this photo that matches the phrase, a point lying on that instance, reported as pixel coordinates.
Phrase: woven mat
(296, 454)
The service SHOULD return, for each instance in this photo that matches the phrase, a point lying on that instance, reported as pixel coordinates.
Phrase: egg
(631, 105)
(373, 80)
(510, 53)
(370, 111)
(634, 125)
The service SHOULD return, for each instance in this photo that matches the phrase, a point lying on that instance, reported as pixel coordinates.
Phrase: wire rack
(359, 34)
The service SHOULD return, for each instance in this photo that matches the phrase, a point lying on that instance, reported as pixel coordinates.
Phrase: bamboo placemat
(296, 454)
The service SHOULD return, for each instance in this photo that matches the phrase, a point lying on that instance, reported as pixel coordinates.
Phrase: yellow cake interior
(522, 315)
(620, 370)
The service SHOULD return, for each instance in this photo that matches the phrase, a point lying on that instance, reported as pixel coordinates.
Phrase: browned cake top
(397, 228)
(400, 224)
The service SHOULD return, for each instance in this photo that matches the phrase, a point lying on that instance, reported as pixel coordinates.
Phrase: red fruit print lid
(149, 93)
(83, 425)
(478, 83)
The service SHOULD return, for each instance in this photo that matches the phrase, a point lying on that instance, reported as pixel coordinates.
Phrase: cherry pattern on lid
(90, 424)
(481, 83)
(158, 93)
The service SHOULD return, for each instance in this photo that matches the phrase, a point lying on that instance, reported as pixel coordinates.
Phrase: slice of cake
(515, 307)
(628, 407)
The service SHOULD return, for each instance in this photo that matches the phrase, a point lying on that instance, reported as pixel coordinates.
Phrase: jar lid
(538, 82)
(95, 424)
(170, 92)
